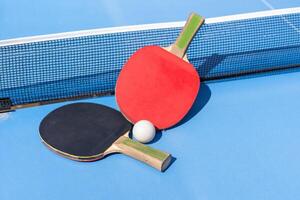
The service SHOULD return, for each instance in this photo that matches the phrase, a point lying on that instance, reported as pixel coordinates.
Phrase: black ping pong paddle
(89, 131)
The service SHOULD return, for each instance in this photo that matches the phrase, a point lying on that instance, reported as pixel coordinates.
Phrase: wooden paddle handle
(155, 158)
(187, 34)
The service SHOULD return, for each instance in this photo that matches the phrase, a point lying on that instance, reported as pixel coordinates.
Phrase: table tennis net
(87, 63)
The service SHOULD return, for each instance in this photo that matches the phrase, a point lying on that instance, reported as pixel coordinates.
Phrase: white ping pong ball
(143, 131)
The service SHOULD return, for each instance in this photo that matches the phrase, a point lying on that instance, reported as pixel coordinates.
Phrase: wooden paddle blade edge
(73, 157)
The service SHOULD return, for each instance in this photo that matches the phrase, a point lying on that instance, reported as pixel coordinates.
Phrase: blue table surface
(241, 140)
(19, 18)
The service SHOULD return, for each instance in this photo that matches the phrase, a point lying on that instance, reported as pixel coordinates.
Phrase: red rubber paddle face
(158, 86)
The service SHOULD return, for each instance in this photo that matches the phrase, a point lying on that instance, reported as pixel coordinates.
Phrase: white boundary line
(267, 4)
(4, 116)
(271, 7)
(91, 32)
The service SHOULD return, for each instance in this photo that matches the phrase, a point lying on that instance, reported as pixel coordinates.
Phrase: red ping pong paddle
(159, 84)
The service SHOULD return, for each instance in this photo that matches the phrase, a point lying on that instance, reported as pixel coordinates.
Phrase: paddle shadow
(206, 66)
(202, 98)
(204, 93)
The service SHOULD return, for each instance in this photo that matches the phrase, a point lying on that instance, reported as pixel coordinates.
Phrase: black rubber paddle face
(83, 129)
